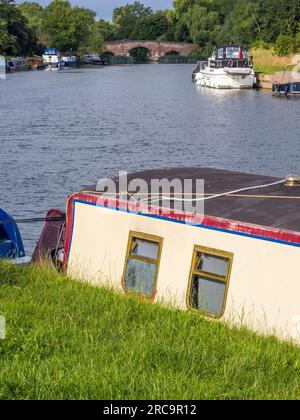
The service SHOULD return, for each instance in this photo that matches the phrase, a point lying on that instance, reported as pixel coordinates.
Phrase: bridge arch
(140, 54)
(172, 52)
(157, 49)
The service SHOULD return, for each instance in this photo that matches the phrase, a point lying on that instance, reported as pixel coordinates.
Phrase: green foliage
(203, 24)
(297, 40)
(15, 35)
(206, 23)
(234, 21)
(126, 19)
(66, 340)
(5, 38)
(95, 39)
(60, 24)
(34, 14)
(285, 45)
(152, 26)
(261, 44)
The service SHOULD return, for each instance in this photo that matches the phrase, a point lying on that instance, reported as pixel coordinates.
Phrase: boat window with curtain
(142, 264)
(209, 280)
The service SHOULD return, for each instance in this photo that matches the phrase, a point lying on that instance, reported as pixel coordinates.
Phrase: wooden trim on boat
(213, 252)
(151, 238)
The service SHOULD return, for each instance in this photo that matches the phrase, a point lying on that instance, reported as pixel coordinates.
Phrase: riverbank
(66, 340)
(267, 63)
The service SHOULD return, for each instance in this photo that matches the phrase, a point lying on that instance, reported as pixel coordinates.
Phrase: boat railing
(231, 62)
(202, 64)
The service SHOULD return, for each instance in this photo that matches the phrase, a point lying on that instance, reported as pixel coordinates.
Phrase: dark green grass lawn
(66, 340)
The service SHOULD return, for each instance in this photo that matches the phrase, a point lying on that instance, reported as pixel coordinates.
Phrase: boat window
(234, 52)
(209, 279)
(142, 264)
(220, 54)
(145, 248)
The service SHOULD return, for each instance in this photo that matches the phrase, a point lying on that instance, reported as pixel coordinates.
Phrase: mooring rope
(33, 220)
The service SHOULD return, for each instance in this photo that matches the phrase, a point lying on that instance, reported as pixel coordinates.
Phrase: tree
(16, 38)
(151, 26)
(5, 39)
(34, 14)
(83, 26)
(126, 18)
(242, 24)
(96, 40)
(60, 25)
(285, 45)
(108, 30)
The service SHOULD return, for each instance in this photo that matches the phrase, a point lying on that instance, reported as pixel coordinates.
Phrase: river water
(61, 131)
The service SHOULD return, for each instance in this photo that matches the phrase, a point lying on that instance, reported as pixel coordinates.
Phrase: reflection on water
(61, 131)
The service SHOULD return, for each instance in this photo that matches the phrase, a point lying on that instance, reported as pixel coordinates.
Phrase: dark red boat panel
(52, 237)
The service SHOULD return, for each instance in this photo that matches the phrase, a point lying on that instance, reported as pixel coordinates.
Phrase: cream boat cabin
(240, 262)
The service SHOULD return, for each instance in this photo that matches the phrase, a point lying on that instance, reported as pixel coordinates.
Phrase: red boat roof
(276, 206)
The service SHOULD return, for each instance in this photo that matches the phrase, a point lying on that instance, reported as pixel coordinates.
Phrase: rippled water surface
(61, 131)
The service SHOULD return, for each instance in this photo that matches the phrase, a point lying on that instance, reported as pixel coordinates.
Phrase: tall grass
(66, 340)
(267, 62)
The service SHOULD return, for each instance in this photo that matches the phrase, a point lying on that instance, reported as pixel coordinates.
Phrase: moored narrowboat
(69, 59)
(17, 64)
(237, 259)
(286, 84)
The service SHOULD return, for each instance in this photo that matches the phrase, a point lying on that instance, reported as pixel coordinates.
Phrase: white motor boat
(53, 59)
(228, 68)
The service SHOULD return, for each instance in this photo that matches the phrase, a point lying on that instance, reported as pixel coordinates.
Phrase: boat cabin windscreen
(209, 280)
(51, 51)
(142, 264)
(232, 53)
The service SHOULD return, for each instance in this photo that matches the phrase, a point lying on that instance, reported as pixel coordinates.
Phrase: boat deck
(275, 206)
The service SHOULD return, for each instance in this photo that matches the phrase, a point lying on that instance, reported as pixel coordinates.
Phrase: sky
(104, 8)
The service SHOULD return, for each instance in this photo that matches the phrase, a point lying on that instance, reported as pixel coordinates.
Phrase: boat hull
(11, 244)
(226, 79)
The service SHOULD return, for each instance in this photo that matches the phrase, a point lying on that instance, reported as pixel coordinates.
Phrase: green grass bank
(66, 340)
(267, 62)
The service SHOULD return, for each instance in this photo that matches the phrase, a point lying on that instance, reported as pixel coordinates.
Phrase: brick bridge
(156, 49)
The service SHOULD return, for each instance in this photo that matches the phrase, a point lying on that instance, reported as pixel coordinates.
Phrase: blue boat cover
(11, 244)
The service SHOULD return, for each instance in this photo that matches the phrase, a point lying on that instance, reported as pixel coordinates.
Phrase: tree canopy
(29, 26)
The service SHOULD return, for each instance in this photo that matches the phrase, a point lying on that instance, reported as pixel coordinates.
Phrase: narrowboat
(36, 63)
(235, 258)
(18, 64)
(69, 59)
(286, 84)
(11, 244)
(52, 59)
(93, 59)
(229, 67)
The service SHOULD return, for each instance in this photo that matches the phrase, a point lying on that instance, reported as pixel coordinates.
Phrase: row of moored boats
(52, 59)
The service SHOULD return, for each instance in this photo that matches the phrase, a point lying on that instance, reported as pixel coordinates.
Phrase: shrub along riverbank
(66, 340)
(267, 62)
